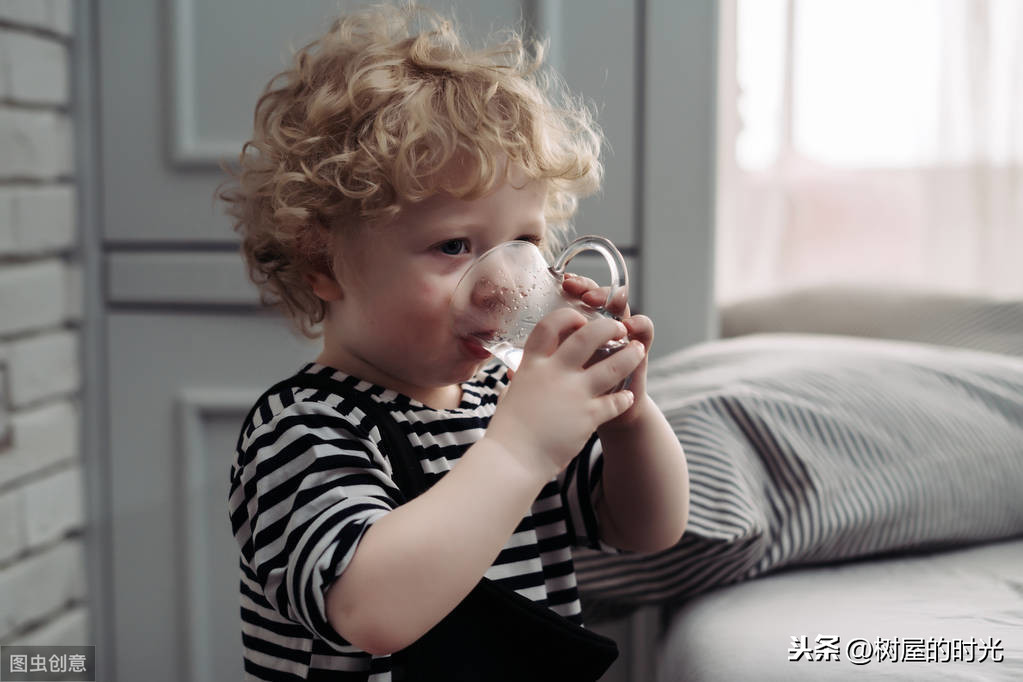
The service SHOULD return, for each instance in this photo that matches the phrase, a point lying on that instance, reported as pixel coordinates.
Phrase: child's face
(391, 322)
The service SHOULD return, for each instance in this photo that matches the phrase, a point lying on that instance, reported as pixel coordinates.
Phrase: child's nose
(488, 294)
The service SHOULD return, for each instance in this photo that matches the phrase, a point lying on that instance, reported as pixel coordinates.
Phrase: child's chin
(470, 372)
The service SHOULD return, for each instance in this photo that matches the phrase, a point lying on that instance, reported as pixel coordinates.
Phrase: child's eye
(454, 247)
(531, 238)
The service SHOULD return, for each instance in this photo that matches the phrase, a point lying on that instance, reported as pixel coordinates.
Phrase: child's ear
(324, 286)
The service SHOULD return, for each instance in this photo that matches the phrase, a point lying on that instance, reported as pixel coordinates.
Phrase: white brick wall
(70, 627)
(42, 564)
(36, 220)
(36, 71)
(12, 530)
(40, 587)
(5, 420)
(53, 16)
(42, 367)
(41, 437)
(36, 143)
(52, 506)
(32, 295)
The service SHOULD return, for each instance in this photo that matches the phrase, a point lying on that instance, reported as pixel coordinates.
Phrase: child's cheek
(431, 295)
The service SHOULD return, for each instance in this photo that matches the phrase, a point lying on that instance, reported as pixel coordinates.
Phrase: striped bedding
(808, 449)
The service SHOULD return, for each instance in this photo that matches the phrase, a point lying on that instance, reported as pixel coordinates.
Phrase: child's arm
(416, 563)
(645, 501)
(645, 482)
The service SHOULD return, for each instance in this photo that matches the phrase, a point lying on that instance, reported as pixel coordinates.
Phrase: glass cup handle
(612, 256)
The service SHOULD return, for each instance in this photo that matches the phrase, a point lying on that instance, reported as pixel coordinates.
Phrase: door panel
(179, 82)
(180, 384)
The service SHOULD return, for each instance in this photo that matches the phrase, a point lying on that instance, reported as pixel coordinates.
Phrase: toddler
(384, 160)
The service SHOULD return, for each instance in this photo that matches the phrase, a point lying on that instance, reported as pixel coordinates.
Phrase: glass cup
(510, 288)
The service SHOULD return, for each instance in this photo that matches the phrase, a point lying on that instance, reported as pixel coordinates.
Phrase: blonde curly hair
(366, 119)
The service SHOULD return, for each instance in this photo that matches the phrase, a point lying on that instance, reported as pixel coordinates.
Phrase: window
(876, 142)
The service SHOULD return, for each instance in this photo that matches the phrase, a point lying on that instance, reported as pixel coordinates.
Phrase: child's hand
(554, 403)
(640, 328)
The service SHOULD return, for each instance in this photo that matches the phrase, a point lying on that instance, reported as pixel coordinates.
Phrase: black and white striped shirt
(310, 478)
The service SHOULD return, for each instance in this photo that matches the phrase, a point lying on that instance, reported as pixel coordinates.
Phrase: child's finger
(612, 405)
(618, 305)
(579, 348)
(577, 285)
(592, 294)
(640, 328)
(595, 297)
(612, 370)
(549, 332)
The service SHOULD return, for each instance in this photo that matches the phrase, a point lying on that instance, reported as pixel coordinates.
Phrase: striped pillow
(806, 449)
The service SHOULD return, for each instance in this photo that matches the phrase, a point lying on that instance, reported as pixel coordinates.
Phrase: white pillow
(977, 322)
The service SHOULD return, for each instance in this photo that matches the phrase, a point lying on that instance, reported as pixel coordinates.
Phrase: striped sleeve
(580, 484)
(308, 484)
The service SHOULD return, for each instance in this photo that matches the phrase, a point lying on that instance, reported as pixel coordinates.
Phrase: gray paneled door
(187, 347)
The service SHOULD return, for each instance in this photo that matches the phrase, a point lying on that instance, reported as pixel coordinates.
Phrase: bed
(856, 473)
(950, 615)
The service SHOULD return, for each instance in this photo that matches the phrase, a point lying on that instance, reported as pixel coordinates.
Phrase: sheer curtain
(876, 142)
